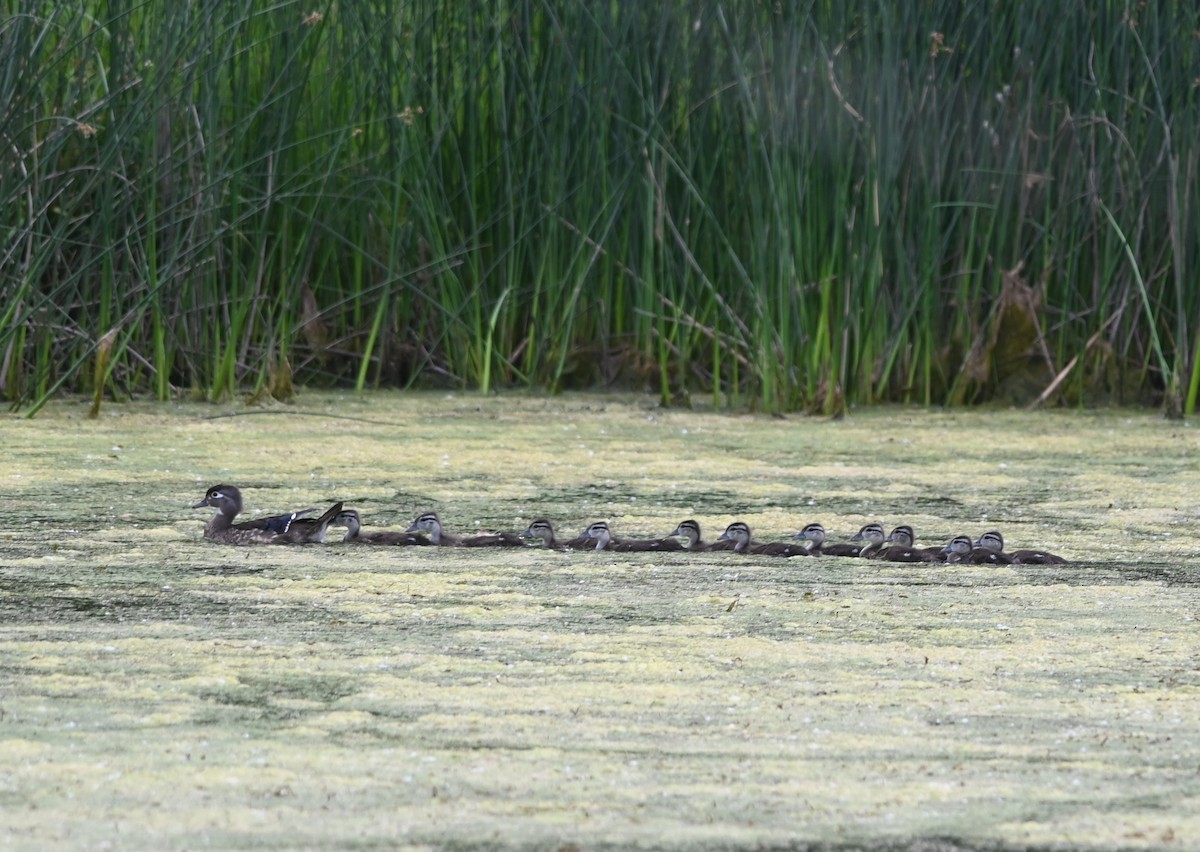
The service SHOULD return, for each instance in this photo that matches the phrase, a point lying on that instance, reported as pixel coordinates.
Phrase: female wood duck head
(226, 499)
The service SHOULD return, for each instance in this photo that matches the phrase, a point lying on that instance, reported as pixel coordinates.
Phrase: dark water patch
(624, 492)
(311, 687)
(1107, 574)
(718, 841)
(935, 504)
(262, 697)
(1171, 574)
(390, 732)
(28, 598)
(228, 570)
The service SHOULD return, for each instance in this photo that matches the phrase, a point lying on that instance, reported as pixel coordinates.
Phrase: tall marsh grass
(786, 205)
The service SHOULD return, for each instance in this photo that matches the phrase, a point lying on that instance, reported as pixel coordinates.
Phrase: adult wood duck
(603, 539)
(962, 551)
(903, 549)
(544, 530)
(689, 531)
(430, 523)
(815, 533)
(352, 521)
(291, 528)
(994, 542)
(743, 542)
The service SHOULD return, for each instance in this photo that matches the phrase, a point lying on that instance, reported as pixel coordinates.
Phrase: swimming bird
(430, 522)
(352, 521)
(994, 542)
(289, 528)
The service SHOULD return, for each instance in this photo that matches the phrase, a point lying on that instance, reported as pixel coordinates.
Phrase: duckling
(602, 535)
(430, 522)
(957, 549)
(962, 551)
(903, 549)
(689, 531)
(872, 534)
(544, 530)
(743, 542)
(291, 528)
(352, 521)
(739, 533)
(993, 541)
(816, 534)
(599, 533)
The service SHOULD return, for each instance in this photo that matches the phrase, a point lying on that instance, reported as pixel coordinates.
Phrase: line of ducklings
(870, 542)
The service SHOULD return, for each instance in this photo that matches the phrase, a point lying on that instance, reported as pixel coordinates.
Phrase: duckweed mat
(158, 691)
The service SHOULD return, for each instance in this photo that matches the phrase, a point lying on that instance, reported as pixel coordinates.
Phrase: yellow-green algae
(157, 691)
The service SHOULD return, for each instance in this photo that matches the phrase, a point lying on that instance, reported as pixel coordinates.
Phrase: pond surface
(158, 691)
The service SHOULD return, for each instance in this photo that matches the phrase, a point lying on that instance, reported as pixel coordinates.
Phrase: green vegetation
(785, 205)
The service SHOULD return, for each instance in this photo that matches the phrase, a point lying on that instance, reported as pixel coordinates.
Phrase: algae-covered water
(158, 691)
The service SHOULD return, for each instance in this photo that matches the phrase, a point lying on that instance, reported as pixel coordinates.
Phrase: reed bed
(783, 205)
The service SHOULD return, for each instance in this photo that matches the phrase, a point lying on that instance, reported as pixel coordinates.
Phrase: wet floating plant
(318, 695)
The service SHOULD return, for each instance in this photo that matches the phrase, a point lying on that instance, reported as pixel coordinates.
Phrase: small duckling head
(739, 533)
(814, 533)
(541, 528)
(428, 522)
(688, 530)
(350, 519)
(599, 533)
(871, 533)
(959, 546)
(991, 541)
